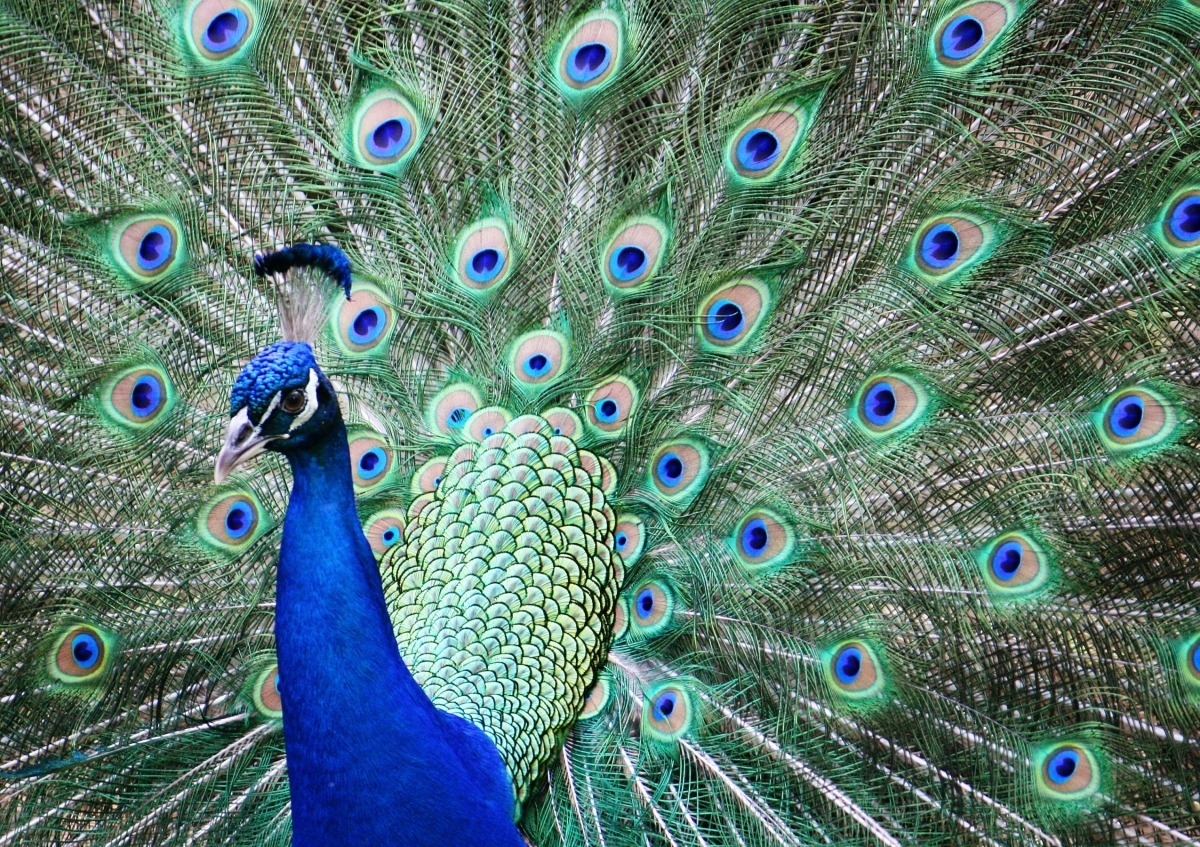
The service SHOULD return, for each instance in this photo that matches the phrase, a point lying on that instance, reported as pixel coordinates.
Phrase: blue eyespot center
(670, 470)
(146, 396)
(644, 605)
(457, 418)
(389, 138)
(372, 463)
(225, 31)
(390, 536)
(367, 325)
(1006, 561)
(588, 61)
(627, 263)
(758, 149)
(239, 519)
(880, 404)
(962, 37)
(755, 538)
(1195, 657)
(1185, 219)
(487, 430)
(1062, 766)
(154, 251)
(1126, 416)
(848, 665)
(725, 319)
(664, 705)
(85, 650)
(622, 540)
(607, 410)
(485, 264)
(939, 247)
(537, 365)
(278, 687)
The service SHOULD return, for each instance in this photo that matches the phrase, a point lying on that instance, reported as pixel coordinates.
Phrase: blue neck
(370, 760)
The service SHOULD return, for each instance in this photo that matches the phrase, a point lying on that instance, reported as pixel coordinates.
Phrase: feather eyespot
(590, 56)
(678, 471)
(652, 607)
(763, 145)
(1181, 223)
(1068, 772)
(629, 538)
(967, 33)
(609, 406)
(487, 422)
(452, 407)
(265, 692)
(946, 245)
(763, 541)
(219, 30)
(80, 654)
(668, 711)
(371, 460)
(231, 522)
(889, 403)
(538, 358)
(483, 255)
(138, 398)
(148, 247)
(634, 255)
(564, 422)
(364, 322)
(384, 530)
(854, 670)
(387, 131)
(1014, 565)
(429, 476)
(1135, 419)
(731, 315)
(597, 698)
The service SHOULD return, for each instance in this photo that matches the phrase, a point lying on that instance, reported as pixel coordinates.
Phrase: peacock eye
(387, 131)
(80, 655)
(653, 605)
(889, 403)
(1069, 771)
(634, 254)
(220, 29)
(762, 145)
(609, 406)
(763, 540)
(854, 670)
(590, 57)
(294, 401)
(731, 315)
(1135, 419)
(668, 711)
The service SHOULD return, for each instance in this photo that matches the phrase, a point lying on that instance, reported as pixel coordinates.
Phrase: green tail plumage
(847, 353)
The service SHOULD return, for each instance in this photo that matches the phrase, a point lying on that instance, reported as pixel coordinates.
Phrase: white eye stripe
(310, 401)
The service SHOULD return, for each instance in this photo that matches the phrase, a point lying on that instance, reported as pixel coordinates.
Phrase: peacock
(598, 423)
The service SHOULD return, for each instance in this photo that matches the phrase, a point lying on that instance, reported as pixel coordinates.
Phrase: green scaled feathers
(775, 423)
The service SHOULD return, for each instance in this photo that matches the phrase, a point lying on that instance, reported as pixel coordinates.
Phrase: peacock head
(281, 401)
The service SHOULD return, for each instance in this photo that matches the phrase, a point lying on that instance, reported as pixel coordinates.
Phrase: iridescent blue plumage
(367, 750)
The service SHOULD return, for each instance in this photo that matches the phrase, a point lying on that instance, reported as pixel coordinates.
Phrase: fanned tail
(879, 323)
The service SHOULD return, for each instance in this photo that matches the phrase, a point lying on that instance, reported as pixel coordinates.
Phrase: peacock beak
(243, 442)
